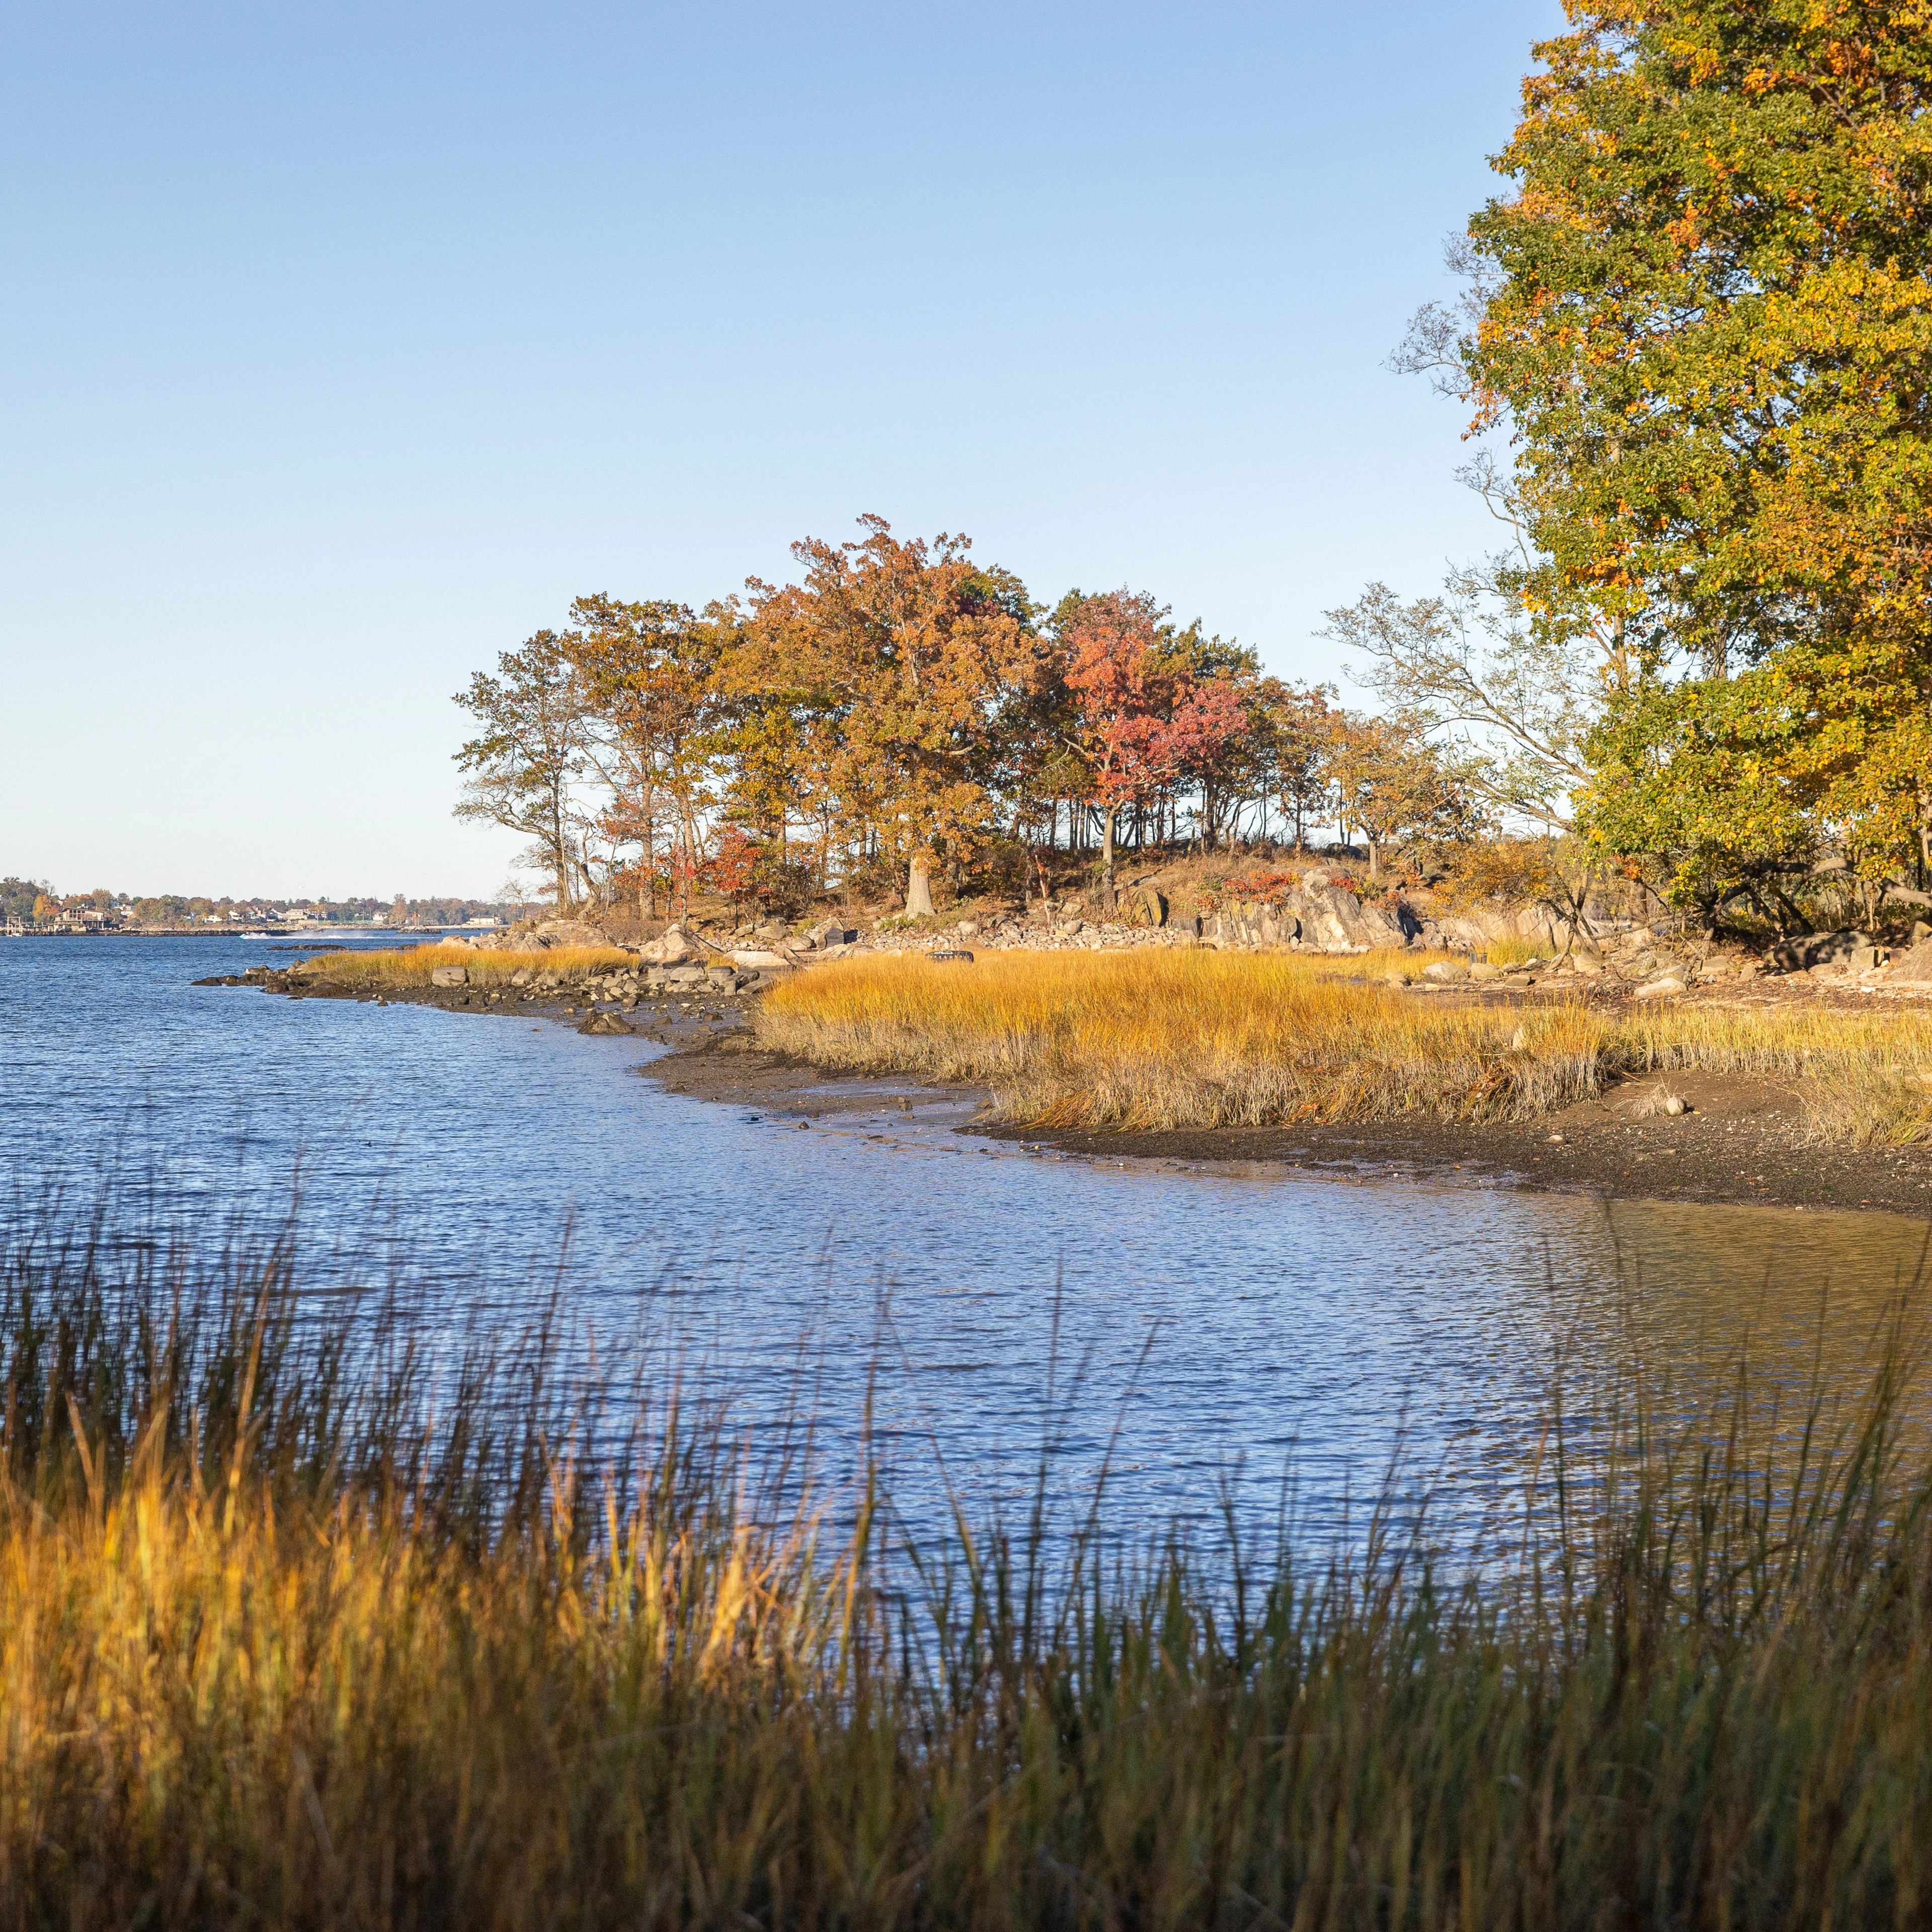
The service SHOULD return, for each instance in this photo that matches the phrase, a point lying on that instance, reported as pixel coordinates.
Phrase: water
(1204, 1332)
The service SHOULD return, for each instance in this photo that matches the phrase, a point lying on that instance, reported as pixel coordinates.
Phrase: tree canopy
(1704, 316)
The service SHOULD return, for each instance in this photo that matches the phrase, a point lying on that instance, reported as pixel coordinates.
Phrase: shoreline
(1742, 1142)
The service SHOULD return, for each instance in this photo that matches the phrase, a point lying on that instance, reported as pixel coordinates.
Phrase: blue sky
(342, 346)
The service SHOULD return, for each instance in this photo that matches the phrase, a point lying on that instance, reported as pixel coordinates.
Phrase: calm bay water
(1213, 1329)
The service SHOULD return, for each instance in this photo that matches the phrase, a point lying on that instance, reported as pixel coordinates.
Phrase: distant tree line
(35, 904)
(902, 707)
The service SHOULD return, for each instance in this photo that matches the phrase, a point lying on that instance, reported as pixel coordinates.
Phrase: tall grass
(411, 966)
(283, 1644)
(1161, 1039)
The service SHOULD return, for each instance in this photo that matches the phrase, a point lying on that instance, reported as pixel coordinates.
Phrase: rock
(1915, 966)
(449, 976)
(522, 976)
(953, 957)
(1659, 989)
(1820, 949)
(1481, 969)
(600, 1023)
(675, 948)
(1444, 971)
(756, 959)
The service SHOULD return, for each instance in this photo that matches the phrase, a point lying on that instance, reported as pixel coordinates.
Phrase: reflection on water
(1208, 1328)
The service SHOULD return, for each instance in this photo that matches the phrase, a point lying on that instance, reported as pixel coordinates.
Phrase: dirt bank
(1739, 1140)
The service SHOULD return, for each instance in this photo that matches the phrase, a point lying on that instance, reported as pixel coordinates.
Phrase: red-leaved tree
(1137, 720)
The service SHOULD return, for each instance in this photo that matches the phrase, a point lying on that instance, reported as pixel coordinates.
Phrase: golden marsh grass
(1152, 1038)
(289, 1640)
(411, 966)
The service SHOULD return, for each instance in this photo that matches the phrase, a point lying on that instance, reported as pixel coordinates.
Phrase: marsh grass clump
(1150, 1039)
(411, 966)
(305, 1623)
(1161, 1039)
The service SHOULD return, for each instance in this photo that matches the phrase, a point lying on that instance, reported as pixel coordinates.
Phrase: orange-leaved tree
(899, 663)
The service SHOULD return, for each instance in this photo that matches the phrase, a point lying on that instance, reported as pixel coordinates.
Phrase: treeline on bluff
(1695, 345)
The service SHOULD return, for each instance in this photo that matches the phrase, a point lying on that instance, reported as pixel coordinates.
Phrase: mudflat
(1739, 1140)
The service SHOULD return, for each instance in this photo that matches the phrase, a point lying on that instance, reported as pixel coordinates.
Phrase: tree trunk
(1374, 858)
(1109, 813)
(919, 887)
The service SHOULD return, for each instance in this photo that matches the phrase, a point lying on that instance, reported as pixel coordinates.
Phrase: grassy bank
(291, 1636)
(1174, 1039)
(411, 966)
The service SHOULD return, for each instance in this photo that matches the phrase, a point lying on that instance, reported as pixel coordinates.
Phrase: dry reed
(1171, 1039)
(411, 966)
(287, 1643)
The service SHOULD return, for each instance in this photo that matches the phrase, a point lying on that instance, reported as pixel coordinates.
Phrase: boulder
(1915, 966)
(1820, 949)
(449, 976)
(1444, 971)
(1659, 989)
(603, 1023)
(756, 959)
(675, 948)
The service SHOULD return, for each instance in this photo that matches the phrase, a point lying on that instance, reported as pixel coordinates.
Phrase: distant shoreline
(304, 932)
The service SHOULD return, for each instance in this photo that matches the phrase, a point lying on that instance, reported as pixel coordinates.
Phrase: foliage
(1703, 314)
(1140, 716)
(1509, 871)
(1391, 784)
(899, 703)
(749, 870)
(529, 750)
(898, 663)
(1507, 694)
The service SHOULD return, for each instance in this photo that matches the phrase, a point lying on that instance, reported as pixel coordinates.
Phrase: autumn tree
(1297, 724)
(648, 677)
(1703, 315)
(1138, 716)
(529, 752)
(1390, 785)
(899, 661)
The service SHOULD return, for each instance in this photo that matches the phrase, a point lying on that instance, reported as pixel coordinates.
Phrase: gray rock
(1820, 949)
(1915, 966)
(1664, 988)
(449, 976)
(1444, 971)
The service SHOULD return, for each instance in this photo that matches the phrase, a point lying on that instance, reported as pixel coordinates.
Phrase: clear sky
(343, 344)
